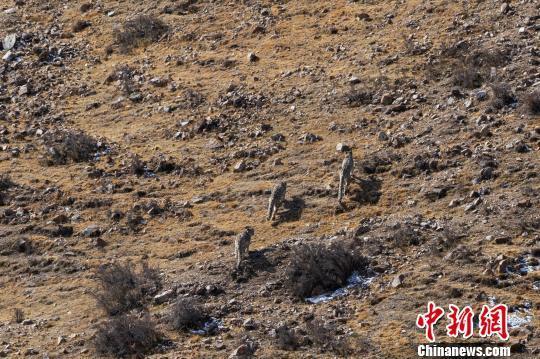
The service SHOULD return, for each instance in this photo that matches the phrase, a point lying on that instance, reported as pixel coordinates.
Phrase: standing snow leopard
(241, 245)
(276, 198)
(345, 175)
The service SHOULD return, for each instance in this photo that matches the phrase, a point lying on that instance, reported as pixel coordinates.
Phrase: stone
(8, 56)
(505, 7)
(164, 296)
(240, 166)
(398, 281)
(252, 57)
(481, 95)
(91, 231)
(241, 351)
(9, 41)
(387, 99)
(24, 90)
(341, 147)
(353, 80)
(249, 324)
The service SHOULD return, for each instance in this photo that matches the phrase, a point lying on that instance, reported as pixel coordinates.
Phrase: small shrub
(18, 315)
(80, 25)
(286, 339)
(126, 335)
(317, 268)
(467, 76)
(185, 314)
(136, 166)
(502, 95)
(532, 102)
(63, 146)
(405, 236)
(134, 32)
(323, 336)
(5, 182)
(10, 245)
(358, 97)
(122, 289)
(86, 7)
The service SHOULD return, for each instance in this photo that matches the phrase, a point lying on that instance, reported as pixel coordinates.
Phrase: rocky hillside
(139, 138)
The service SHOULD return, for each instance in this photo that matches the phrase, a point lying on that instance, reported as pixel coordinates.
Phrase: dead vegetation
(126, 336)
(532, 102)
(186, 314)
(358, 97)
(64, 146)
(324, 337)
(80, 25)
(502, 95)
(318, 268)
(123, 289)
(139, 31)
(18, 315)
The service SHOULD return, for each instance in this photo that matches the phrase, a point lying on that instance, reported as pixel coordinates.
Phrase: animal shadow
(293, 210)
(256, 261)
(367, 191)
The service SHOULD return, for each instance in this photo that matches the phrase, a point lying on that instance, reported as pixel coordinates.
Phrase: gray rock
(91, 231)
(9, 41)
(240, 166)
(354, 80)
(398, 281)
(387, 99)
(252, 57)
(8, 56)
(341, 147)
(164, 296)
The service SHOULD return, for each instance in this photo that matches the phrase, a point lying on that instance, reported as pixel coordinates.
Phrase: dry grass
(186, 314)
(126, 336)
(317, 268)
(80, 25)
(18, 315)
(532, 102)
(122, 289)
(138, 31)
(502, 95)
(64, 146)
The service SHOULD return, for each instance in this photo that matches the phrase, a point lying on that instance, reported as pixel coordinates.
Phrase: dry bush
(287, 339)
(141, 29)
(358, 97)
(532, 102)
(80, 25)
(126, 335)
(502, 95)
(186, 314)
(317, 268)
(467, 76)
(122, 289)
(18, 315)
(63, 146)
(5, 182)
(10, 245)
(405, 236)
(86, 7)
(324, 337)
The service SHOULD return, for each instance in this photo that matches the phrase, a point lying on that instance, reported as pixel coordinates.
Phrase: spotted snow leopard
(241, 245)
(276, 198)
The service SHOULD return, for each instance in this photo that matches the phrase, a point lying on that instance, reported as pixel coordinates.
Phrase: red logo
(491, 321)
(460, 322)
(429, 320)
